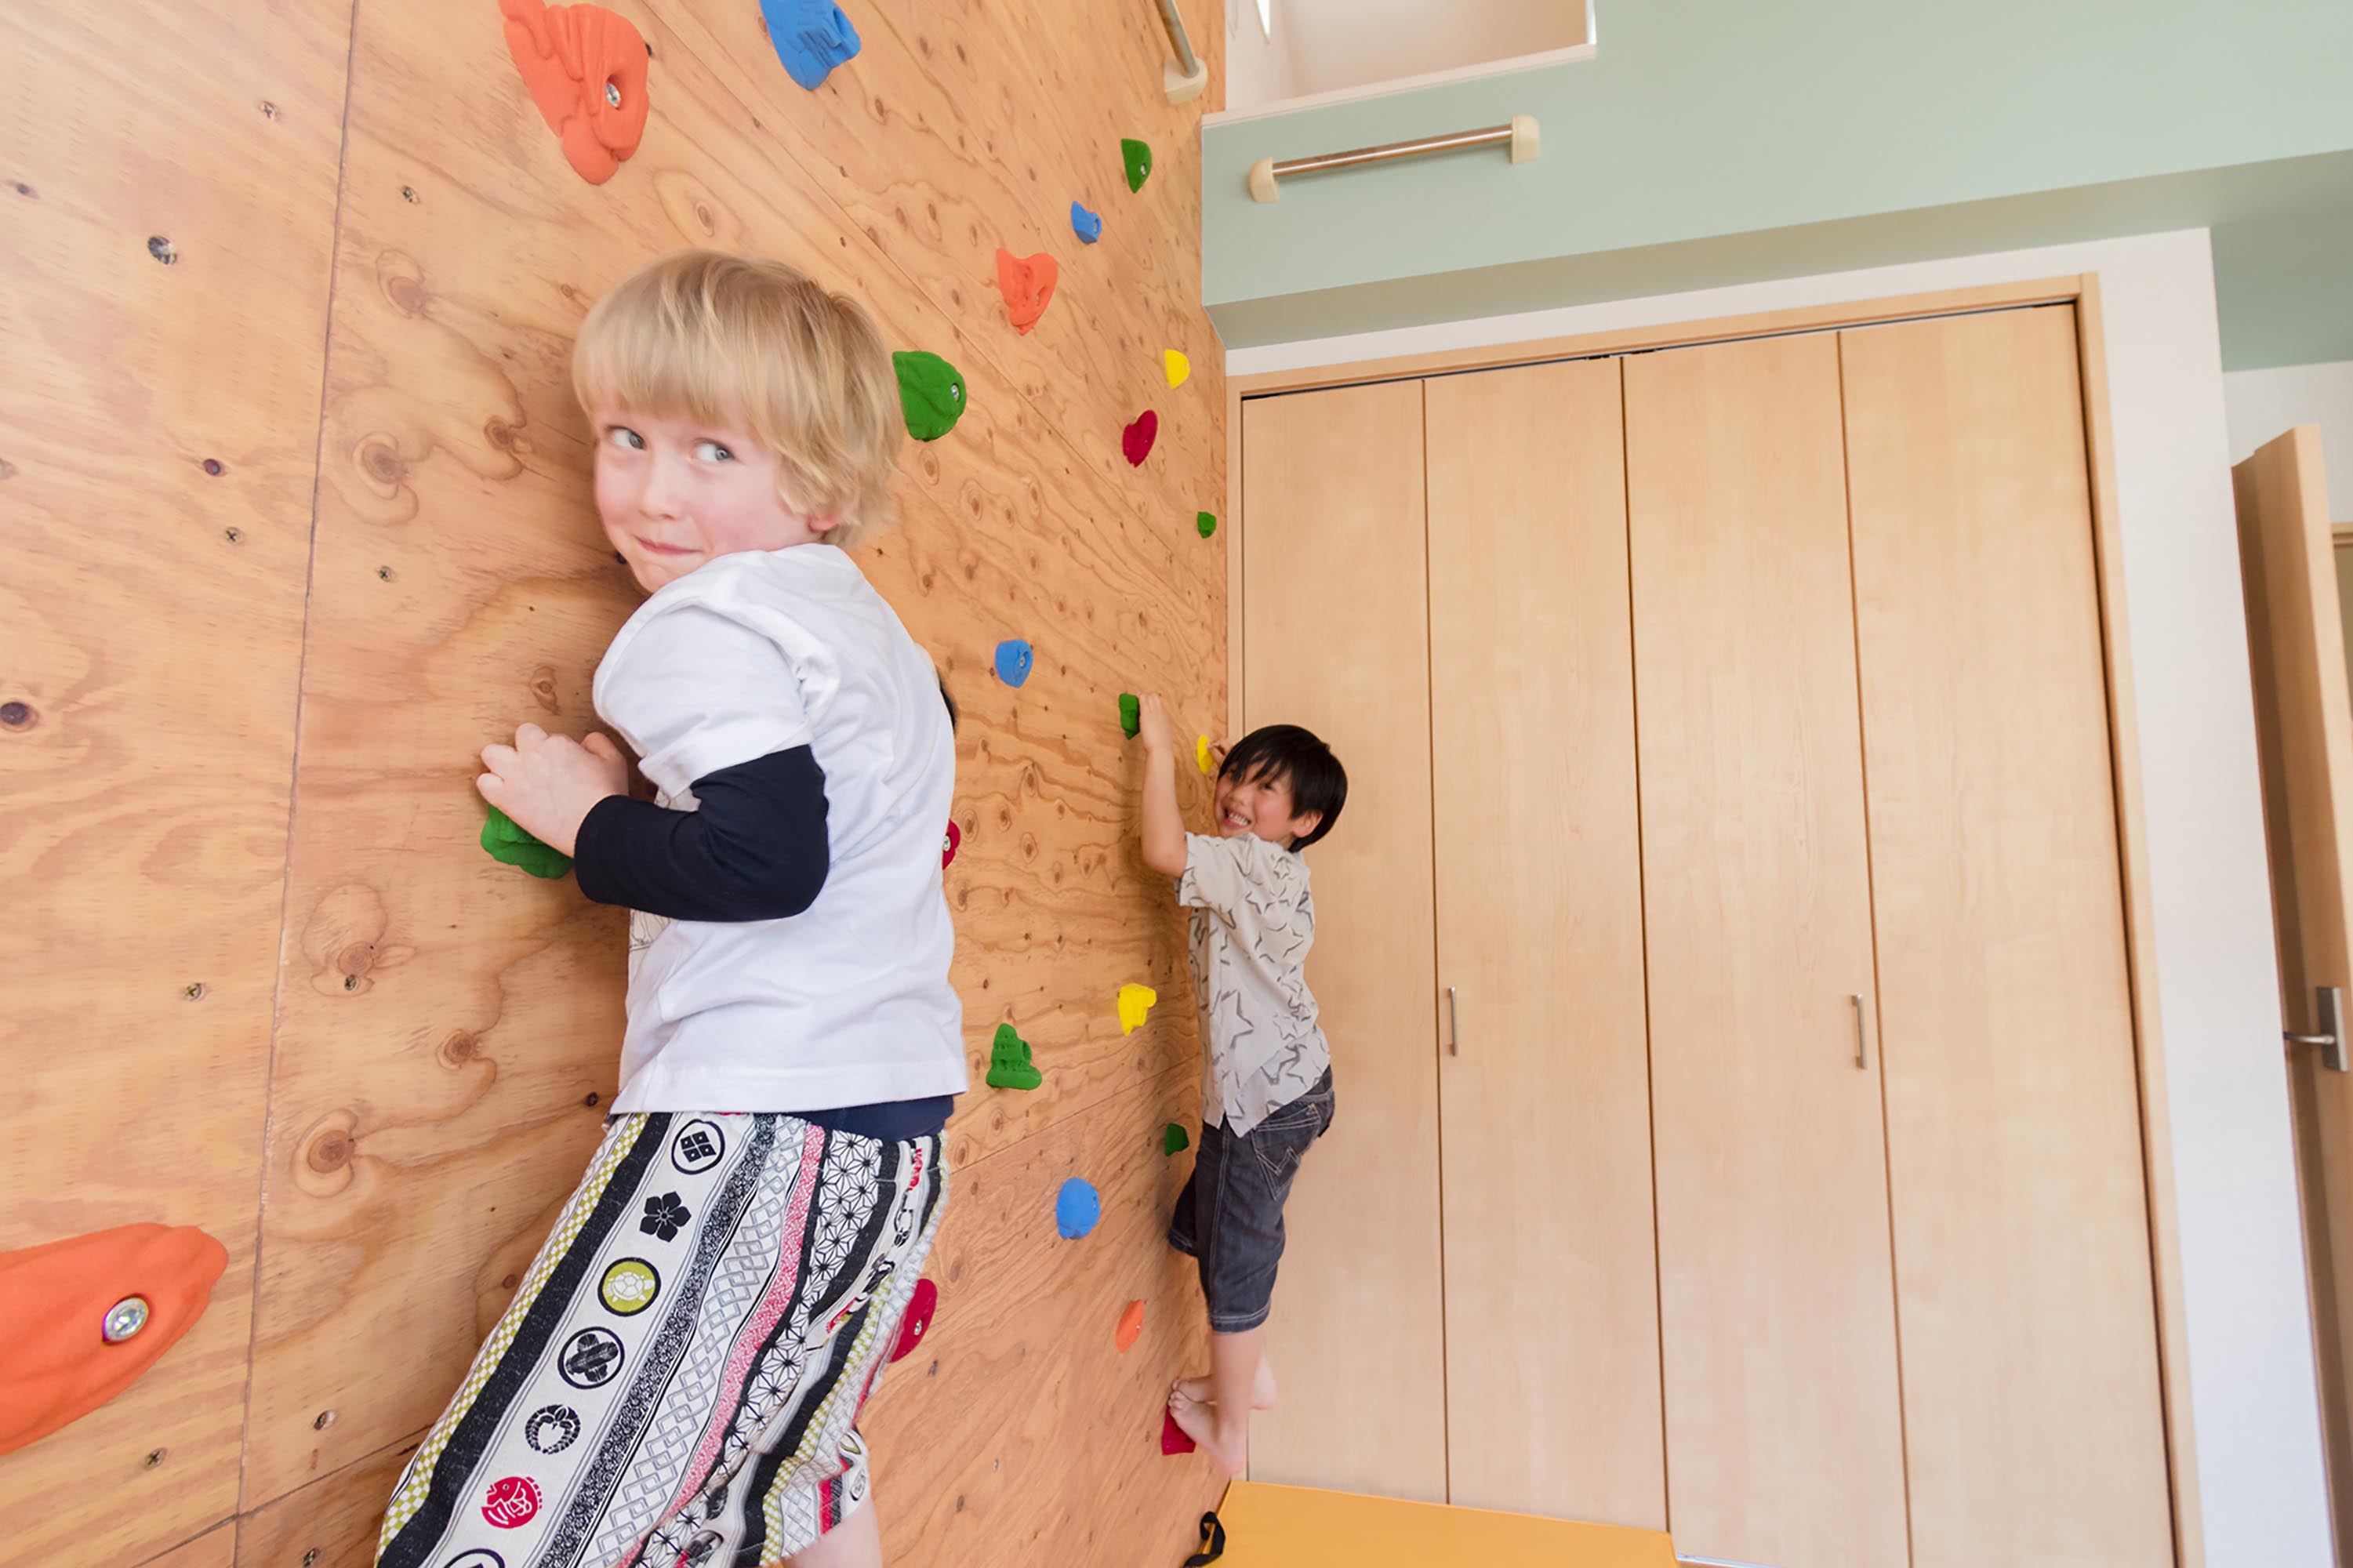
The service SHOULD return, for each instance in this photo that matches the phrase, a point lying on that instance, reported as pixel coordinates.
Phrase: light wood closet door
(1784, 1440)
(1335, 637)
(1551, 1352)
(2013, 1122)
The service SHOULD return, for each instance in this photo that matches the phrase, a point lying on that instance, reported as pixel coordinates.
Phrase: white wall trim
(2245, 1315)
(1507, 66)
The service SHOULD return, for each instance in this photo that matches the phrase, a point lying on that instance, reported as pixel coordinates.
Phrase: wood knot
(542, 689)
(503, 436)
(18, 716)
(330, 1152)
(355, 960)
(407, 294)
(380, 462)
(510, 1281)
(461, 1046)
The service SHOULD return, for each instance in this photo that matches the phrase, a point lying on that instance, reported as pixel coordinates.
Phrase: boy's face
(674, 494)
(1260, 807)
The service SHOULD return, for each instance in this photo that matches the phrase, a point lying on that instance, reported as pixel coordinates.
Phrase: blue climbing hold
(1013, 658)
(811, 36)
(1076, 1209)
(1088, 224)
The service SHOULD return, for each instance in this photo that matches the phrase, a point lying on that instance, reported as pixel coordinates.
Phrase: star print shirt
(1253, 921)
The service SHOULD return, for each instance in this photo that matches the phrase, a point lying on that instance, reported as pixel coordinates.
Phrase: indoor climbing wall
(317, 439)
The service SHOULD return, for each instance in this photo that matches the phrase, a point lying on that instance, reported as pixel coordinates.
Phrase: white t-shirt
(847, 1003)
(1253, 921)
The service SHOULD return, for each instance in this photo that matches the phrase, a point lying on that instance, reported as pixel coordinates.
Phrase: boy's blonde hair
(718, 338)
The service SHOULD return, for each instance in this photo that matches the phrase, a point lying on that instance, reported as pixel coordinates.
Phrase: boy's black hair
(1287, 753)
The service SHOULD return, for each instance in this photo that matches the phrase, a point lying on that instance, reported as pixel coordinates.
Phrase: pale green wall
(1837, 132)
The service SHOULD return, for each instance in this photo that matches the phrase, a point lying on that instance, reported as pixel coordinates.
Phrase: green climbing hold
(1008, 1061)
(1173, 1140)
(1138, 159)
(1131, 714)
(1207, 522)
(511, 845)
(930, 392)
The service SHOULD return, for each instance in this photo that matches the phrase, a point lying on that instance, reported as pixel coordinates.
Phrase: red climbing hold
(586, 69)
(1028, 286)
(918, 1321)
(1136, 439)
(1172, 1437)
(948, 846)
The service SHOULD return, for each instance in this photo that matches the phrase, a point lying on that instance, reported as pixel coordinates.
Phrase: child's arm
(1164, 826)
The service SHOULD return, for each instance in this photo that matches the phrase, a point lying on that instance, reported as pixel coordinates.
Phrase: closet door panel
(1783, 1428)
(2015, 1167)
(1335, 637)
(1552, 1353)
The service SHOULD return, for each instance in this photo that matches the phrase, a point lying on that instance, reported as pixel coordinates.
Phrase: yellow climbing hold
(1202, 757)
(1177, 366)
(1135, 1002)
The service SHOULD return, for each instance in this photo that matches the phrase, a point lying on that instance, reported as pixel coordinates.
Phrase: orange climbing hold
(1028, 286)
(586, 70)
(1131, 1324)
(82, 1319)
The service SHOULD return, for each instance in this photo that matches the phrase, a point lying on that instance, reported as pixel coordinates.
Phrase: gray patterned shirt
(1253, 921)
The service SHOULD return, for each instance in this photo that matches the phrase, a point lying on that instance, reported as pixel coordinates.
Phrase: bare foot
(1261, 1389)
(1228, 1449)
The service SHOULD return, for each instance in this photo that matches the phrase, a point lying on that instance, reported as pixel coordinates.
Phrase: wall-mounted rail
(1520, 136)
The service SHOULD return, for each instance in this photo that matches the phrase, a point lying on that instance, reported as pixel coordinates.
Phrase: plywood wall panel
(167, 202)
(449, 1027)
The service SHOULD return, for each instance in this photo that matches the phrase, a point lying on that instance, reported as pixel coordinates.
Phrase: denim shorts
(1230, 1216)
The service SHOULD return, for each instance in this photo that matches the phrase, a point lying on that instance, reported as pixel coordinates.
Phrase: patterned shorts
(678, 1380)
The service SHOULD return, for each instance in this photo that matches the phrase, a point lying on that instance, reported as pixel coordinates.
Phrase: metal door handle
(1862, 1048)
(2329, 1006)
(1453, 1025)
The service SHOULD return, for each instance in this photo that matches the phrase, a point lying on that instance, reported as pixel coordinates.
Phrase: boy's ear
(823, 524)
(1306, 823)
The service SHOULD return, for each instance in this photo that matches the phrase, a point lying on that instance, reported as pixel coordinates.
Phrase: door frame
(2082, 291)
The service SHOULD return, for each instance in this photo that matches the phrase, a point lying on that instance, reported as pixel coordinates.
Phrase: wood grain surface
(445, 1029)
(157, 442)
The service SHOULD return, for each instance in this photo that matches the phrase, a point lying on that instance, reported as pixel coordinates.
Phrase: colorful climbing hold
(1136, 439)
(1173, 1140)
(1131, 715)
(1203, 757)
(1027, 285)
(921, 1305)
(586, 69)
(948, 846)
(1131, 1324)
(84, 1316)
(1176, 366)
(1087, 225)
(1205, 523)
(1136, 1005)
(1076, 1208)
(930, 392)
(1008, 1061)
(1138, 159)
(1172, 1437)
(811, 36)
(1013, 657)
(511, 846)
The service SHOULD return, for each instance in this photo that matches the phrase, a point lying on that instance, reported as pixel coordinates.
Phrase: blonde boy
(679, 1377)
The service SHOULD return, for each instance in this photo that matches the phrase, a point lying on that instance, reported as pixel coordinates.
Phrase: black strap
(1213, 1543)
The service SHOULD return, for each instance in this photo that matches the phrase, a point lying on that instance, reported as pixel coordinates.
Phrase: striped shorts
(678, 1380)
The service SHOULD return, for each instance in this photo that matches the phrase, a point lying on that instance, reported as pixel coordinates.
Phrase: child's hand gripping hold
(548, 783)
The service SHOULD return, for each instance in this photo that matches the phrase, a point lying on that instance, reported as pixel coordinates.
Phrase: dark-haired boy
(1266, 1089)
